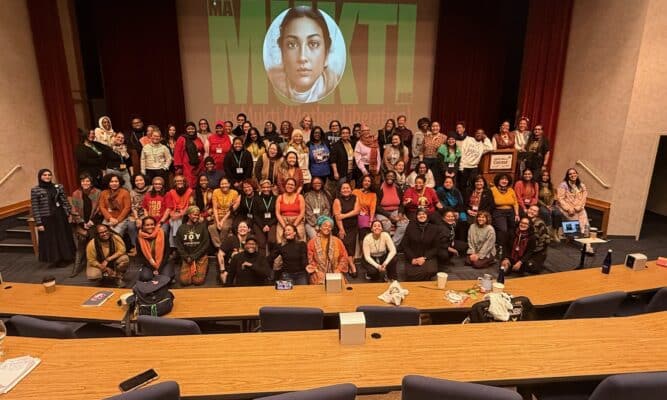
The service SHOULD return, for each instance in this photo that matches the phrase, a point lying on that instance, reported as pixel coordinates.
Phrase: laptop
(570, 227)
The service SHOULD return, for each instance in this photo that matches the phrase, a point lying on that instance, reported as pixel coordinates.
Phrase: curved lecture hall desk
(244, 302)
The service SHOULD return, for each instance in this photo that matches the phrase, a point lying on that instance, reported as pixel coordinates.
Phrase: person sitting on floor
(326, 253)
(520, 259)
(251, 268)
(481, 242)
(106, 256)
(454, 245)
(192, 242)
(420, 245)
(379, 254)
(291, 257)
(151, 241)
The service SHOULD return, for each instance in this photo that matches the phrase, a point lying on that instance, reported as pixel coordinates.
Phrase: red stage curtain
(56, 90)
(140, 60)
(543, 67)
(474, 67)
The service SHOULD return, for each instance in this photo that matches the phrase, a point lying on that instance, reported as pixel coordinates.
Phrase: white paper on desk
(13, 370)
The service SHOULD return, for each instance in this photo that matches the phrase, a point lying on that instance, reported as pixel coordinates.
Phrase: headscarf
(369, 140)
(190, 146)
(322, 219)
(220, 123)
(101, 126)
(192, 209)
(421, 225)
(48, 186)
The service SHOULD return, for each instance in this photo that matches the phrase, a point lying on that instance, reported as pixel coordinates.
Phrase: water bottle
(3, 333)
(501, 275)
(606, 264)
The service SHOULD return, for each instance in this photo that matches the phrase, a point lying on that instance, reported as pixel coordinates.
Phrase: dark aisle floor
(23, 267)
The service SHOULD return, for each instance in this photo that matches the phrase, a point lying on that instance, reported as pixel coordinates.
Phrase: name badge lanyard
(238, 162)
(267, 214)
(249, 207)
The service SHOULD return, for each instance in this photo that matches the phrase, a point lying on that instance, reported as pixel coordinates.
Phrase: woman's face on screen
(304, 53)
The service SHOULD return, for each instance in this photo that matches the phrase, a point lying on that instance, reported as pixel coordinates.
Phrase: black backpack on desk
(523, 311)
(152, 297)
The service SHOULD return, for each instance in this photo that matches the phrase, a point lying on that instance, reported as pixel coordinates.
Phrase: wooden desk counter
(65, 303)
(245, 302)
(543, 290)
(16, 346)
(215, 365)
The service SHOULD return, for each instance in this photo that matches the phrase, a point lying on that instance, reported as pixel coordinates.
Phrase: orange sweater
(119, 209)
(367, 201)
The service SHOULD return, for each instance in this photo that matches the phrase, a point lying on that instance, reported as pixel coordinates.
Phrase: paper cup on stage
(593, 233)
(498, 287)
(49, 283)
(442, 280)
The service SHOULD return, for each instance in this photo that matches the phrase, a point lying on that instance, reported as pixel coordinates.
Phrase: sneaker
(368, 278)
(132, 252)
(120, 283)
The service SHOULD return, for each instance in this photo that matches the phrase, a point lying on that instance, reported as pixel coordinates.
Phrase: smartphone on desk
(138, 381)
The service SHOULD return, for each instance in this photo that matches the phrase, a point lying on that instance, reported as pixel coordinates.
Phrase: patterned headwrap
(322, 219)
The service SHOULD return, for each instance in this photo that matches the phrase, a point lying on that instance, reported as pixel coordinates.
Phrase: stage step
(18, 232)
(16, 245)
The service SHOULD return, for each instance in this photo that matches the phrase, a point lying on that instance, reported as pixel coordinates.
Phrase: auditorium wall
(24, 136)
(612, 108)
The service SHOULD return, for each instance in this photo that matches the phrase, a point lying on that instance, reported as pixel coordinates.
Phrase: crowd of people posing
(296, 203)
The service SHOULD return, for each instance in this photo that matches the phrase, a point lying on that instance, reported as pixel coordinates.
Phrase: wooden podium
(498, 161)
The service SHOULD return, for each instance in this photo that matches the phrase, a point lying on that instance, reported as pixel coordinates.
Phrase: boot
(553, 233)
(77, 267)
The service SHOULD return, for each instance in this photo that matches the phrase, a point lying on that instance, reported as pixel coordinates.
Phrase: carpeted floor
(23, 267)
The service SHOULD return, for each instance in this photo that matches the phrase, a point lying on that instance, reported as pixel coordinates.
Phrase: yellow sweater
(505, 201)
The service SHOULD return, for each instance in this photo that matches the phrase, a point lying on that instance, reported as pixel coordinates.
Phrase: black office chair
(345, 391)
(381, 316)
(641, 386)
(636, 305)
(158, 326)
(161, 391)
(598, 306)
(417, 387)
(658, 302)
(290, 319)
(34, 327)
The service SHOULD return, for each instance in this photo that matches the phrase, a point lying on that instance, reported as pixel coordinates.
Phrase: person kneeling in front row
(192, 242)
(106, 256)
(251, 268)
(379, 254)
(420, 245)
(151, 240)
(520, 259)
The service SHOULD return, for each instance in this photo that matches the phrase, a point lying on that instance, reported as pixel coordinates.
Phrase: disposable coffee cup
(123, 299)
(442, 280)
(49, 283)
(593, 233)
(498, 287)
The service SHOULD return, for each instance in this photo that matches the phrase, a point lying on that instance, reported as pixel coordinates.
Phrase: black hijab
(49, 186)
(190, 146)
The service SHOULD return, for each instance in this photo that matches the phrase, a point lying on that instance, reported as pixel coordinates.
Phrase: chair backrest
(159, 326)
(380, 316)
(658, 302)
(345, 391)
(161, 391)
(34, 327)
(598, 306)
(417, 387)
(642, 386)
(290, 318)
